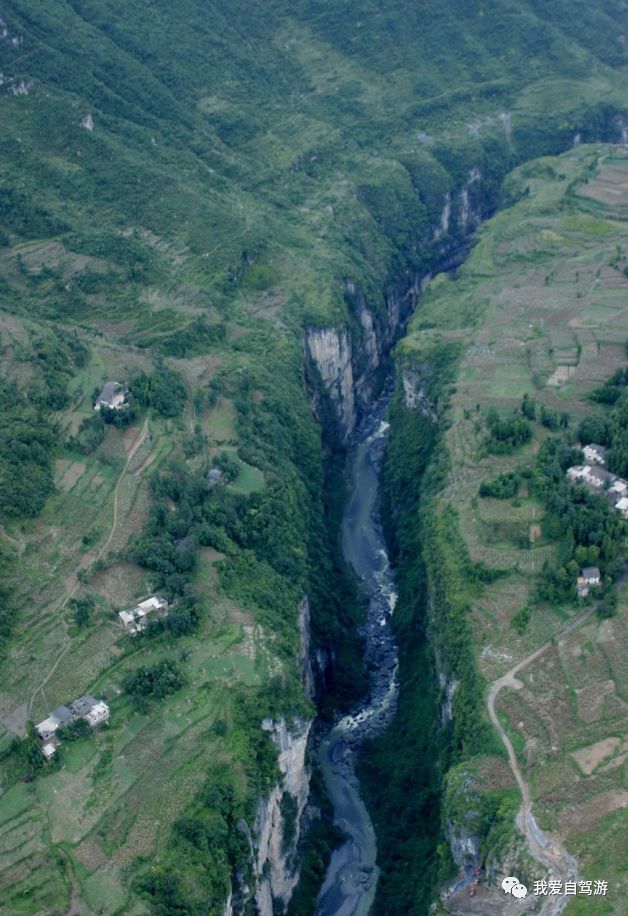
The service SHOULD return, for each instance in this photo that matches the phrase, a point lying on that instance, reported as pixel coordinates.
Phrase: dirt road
(545, 849)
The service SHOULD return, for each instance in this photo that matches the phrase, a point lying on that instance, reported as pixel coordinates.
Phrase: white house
(97, 714)
(49, 750)
(595, 454)
(619, 486)
(622, 506)
(134, 618)
(47, 729)
(578, 472)
(112, 396)
(590, 577)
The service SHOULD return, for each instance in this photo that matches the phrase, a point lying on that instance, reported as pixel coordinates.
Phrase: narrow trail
(136, 445)
(545, 849)
(71, 592)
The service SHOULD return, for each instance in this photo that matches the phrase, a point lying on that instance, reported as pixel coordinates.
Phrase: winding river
(351, 879)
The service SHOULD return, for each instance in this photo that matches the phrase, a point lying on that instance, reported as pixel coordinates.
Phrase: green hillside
(534, 324)
(184, 188)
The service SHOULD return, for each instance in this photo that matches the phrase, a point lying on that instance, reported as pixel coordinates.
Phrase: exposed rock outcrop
(347, 361)
(304, 659)
(276, 870)
(331, 352)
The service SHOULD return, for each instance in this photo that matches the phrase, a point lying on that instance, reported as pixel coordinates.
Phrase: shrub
(154, 681)
(508, 434)
(503, 487)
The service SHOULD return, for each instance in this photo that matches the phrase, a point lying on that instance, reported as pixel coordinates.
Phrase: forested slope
(184, 188)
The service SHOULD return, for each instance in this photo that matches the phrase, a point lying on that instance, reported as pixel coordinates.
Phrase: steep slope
(537, 313)
(189, 193)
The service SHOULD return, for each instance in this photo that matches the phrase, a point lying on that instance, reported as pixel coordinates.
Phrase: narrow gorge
(354, 366)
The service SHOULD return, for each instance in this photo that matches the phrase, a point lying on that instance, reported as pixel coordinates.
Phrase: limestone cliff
(347, 357)
(331, 352)
(273, 842)
(275, 867)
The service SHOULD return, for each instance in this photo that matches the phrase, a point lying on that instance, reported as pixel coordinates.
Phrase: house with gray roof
(82, 706)
(112, 395)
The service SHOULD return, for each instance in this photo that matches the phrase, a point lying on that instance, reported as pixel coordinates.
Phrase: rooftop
(83, 705)
(62, 714)
(590, 572)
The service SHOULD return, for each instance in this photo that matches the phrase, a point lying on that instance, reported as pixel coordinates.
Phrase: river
(351, 879)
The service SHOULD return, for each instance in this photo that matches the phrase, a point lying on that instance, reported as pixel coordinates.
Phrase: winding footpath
(545, 849)
(139, 441)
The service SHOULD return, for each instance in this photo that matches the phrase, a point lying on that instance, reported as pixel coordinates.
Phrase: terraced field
(547, 294)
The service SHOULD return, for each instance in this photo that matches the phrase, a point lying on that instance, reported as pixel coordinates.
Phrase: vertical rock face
(273, 842)
(305, 663)
(276, 870)
(347, 364)
(414, 380)
(330, 351)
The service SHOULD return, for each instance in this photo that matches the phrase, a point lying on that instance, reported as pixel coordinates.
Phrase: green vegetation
(27, 438)
(504, 486)
(83, 609)
(163, 391)
(180, 196)
(155, 681)
(506, 434)
(501, 572)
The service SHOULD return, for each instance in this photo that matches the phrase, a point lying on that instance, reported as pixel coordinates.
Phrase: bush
(521, 619)
(90, 434)
(163, 390)
(506, 435)
(503, 487)
(83, 608)
(154, 681)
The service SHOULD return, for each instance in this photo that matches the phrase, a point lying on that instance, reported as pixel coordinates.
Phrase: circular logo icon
(508, 884)
(519, 890)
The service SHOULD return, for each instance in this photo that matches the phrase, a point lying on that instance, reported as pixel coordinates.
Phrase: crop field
(548, 293)
(112, 799)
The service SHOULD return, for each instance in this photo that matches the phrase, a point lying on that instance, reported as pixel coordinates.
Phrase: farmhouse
(112, 396)
(46, 729)
(594, 454)
(599, 477)
(619, 487)
(622, 506)
(578, 472)
(596, 478)
(82, 706)
(95, 712)
(214, 477)
(590, 577)
(134, 618)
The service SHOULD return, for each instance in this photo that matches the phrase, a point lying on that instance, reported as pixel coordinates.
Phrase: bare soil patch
(588, 758)
(585, 816)
(535, 533)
